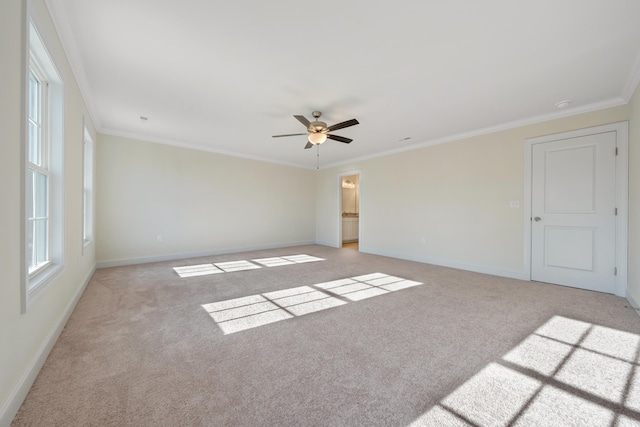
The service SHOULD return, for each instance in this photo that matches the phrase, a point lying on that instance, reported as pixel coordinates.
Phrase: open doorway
(350, 211)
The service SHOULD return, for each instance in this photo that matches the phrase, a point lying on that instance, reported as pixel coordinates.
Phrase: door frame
(622, 195)
(340, 176)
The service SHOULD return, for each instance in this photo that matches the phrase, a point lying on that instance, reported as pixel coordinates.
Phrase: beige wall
(447, 204)
(198, 202)
(25, 338)
(633, 289)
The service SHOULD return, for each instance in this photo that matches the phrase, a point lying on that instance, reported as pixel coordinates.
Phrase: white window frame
(40, 166)
(38, 61)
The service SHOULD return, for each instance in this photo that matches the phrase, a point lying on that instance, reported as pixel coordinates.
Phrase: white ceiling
(226, 75)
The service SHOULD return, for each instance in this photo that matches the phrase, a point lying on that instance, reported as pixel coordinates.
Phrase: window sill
(38, 270)
(41, 280)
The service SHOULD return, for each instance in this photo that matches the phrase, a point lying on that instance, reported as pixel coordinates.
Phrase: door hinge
(615, 211)
(615, 271)
(616, 151)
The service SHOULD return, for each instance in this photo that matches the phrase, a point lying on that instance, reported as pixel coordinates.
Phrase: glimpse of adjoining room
(350, 188)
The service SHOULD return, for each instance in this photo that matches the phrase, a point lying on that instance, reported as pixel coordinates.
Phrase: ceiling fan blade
(342, 125)
(340, 138)
(288, 134)
(303, 120)
(309, 145)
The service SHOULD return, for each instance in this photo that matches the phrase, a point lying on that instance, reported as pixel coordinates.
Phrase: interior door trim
(622, 195)
(339, 213)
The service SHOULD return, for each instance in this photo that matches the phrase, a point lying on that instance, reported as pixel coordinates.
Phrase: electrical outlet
(159, 238)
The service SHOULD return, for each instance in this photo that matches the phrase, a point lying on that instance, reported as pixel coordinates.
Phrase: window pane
(35, 144)
(40, 197)
(30, 193)
(30, 244)
(38, 221)
(42, 244)
(35, 120)
(38, 251)
(34, 98)
(86, 215)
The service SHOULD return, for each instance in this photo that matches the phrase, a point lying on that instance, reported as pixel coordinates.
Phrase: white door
(573, 212)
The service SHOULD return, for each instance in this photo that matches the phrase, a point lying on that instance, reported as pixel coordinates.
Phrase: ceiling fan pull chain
(318, 157)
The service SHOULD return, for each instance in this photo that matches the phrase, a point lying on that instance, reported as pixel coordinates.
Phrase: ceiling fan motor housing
(317, 126)
(318, 132)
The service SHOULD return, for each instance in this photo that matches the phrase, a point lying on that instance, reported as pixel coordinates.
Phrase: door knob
(536, 219)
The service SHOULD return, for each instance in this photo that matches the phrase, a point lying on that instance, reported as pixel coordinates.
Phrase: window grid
(38, 174)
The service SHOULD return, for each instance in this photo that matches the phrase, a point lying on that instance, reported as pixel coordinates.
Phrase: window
(38, 174)
(87, 223)
(43, 189)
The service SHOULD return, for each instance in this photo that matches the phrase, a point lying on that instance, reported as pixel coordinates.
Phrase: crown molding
(145, 138)
(61, 22)
(632, 81)
(614, 102)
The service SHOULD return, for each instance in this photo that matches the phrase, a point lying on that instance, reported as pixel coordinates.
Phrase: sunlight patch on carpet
(287, 260)
(556, 407)
(477, 399)
(303, 300)
(197, 270)
(599, 375)
(302, 258)
(273, 262)
(249, 312)
(236, 266)
(539, 354)
(242, 265)
(567, 372)
(367, 286)
(245, 313)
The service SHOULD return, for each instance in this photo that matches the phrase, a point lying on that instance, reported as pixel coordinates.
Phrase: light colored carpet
(455, 348)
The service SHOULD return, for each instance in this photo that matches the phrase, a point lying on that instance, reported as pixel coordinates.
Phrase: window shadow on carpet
(567, 372)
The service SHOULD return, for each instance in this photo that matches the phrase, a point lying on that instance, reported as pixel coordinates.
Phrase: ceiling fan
(318, 131)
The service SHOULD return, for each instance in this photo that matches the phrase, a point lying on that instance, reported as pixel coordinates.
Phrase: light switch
(514, 204)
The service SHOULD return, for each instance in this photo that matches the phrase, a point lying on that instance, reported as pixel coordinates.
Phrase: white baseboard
(633, 302)
(11, 406)
(185, 255)
(330, 244)
(449, 263)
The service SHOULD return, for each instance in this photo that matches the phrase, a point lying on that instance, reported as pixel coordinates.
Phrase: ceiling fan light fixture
(317, 138)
